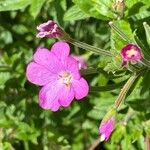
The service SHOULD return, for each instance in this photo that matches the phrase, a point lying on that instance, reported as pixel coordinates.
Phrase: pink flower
(58, 74)
(49, 29)
(130, 52)
(106, 128)
(81, 62)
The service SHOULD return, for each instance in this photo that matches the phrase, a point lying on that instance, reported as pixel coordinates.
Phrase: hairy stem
(120, 33)
(147, 142)
(125, 89)
(145, 62)
(90, 48)
(26, 145)
(95, 144)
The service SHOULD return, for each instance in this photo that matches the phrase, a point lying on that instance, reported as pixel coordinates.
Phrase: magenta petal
(40, 35)
(131, 52)
(49, 29)
(106, 128)
(66, 96)
(39, 75)
(81, 88)
(49, 95)
(47, 59)
(42, 56)
(61, 50)
(81, 62)
(55, 105)
(45, 26)
(72, 65)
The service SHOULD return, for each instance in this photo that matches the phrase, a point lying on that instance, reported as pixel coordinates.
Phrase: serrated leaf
(144, 49)
(96, 8)
(147, 31)
(75, 13)
(139, 104)
(139, 13)
(26, 132)
(36, 7)
(8, 5)
(136, 133)
(130, 3)
(145, 86)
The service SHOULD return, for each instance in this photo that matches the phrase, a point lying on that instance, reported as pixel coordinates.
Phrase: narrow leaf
(36, 7)
(8, 5)
(75, 13)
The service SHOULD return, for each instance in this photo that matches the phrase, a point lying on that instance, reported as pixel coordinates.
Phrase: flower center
(132, 52)
(65, 78)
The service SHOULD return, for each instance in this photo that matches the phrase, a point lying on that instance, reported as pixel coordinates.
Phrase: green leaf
(100, 9)
(136, 133)
(141, 13)
(63, 4)
(146, 79)
(36, 7)
(100, 107)
(139, 104)
(117, 42)
(130, 3)
(107, 87)
(8, 5)
(137, 9)
(145, 50)
(26, 132)
(75, 13)
(147, 31)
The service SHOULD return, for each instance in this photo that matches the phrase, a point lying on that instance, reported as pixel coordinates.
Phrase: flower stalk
(145, 62)
(107, 124)
(120, 33)
(125, 89)
(89, 47)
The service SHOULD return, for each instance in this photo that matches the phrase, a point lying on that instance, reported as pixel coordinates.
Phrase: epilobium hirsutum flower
(59, 75)
(81, 62)
(130, 52)
(107, 125)
(49, 29)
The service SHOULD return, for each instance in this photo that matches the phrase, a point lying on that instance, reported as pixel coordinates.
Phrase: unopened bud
(52, 30)
(107, 125)
(119, 6)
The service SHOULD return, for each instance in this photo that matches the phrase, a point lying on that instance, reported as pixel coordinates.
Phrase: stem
(128, 116)
(120, 33)
(125, 89)
(26, 145)
(145, 62)
(96, 143)
(90, 48)
(147, 142)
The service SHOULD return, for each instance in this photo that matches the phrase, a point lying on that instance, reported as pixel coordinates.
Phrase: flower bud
(51, 29)
(81, 62)
(107, 125)
(130, 52)
(119, 6)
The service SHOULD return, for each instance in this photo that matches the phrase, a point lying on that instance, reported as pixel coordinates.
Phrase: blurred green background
(23, 124)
